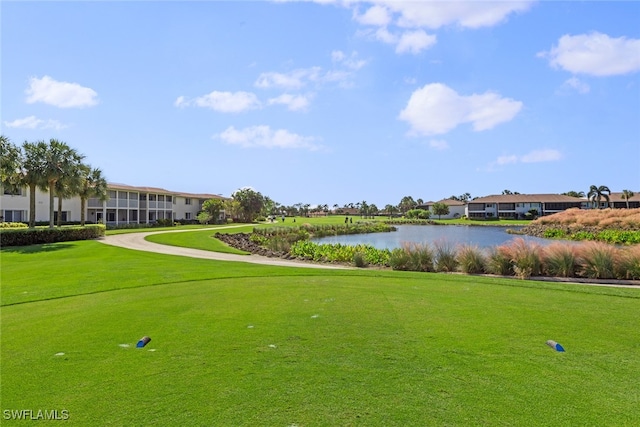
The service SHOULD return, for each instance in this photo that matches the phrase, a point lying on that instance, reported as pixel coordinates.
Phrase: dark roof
(528, 198)
(448, 202)
(617, 197)
(116, 186)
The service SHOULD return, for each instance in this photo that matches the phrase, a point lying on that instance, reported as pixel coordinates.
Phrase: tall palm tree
(596, 194)
(67, 187)
(60, 161)
(32, 173)
(93, 185)
(626, 195)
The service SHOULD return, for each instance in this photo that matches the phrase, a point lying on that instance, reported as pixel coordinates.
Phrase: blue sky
(332, 102)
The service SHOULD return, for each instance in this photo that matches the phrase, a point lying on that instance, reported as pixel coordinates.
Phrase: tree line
(52, 167)
(60, 170)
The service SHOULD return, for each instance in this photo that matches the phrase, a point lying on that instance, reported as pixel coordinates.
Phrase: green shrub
(359, 260)
(619, 237)
(38, 236)
(554, 233)
(399, 259)
(420, 257)
(418, 214)
(13, 225)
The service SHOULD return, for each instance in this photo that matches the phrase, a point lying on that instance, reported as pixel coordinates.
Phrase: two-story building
(516, 206)
(126, 204)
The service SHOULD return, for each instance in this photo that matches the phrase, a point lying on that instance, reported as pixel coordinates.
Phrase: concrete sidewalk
(136, 241)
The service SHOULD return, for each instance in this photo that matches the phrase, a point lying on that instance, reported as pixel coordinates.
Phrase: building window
(187, 215)
(65, 216)
(19, 191)
(187, 201)
(14, 216)
(111, 217)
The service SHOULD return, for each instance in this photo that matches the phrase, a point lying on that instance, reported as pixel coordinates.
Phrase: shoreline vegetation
(610, 250)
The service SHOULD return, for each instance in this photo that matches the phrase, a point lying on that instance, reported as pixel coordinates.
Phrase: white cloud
(438, 144)
(507, 159)
(595, 54)
(437, 109)
(535, 156)
(302, 77)
(467, 14)
(60, 94)
(295, 79)
(32, 122)
(577, 85)
(223, 102)
(352, 62)
(293, 102)
(390, 15)
(414, 42)
(265, 137)
(376, 15)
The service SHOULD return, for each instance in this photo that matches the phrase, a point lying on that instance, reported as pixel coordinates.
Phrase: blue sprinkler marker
(554, 345)
(143, 341)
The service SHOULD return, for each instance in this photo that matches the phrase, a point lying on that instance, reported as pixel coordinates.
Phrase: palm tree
(364, 209)
(406, 204)
(10, 164)
(32, 174)
(390, 209)
(626, 195)
(93, 184)
(60, 161)
(70, 185)
(595, 194)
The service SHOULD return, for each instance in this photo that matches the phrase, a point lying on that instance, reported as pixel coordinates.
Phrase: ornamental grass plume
(526, 258)
(499, 261)
(598, 260)
(561, 260)
(412, 257)
(471, 259)
(445, 257)
(627, 265)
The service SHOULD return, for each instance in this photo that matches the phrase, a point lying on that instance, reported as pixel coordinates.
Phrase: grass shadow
(37, 249)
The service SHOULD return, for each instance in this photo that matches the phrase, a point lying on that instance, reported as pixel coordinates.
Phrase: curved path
(138, 242)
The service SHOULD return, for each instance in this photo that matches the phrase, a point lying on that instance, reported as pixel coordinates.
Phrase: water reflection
(481, 236)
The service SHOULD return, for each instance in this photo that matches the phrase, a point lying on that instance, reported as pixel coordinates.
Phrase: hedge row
(38, 236)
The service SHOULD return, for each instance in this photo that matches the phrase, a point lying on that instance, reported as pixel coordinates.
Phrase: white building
(126, 205)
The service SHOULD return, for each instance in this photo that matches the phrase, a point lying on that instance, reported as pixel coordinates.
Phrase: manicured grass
(240, 344)
(202, 239)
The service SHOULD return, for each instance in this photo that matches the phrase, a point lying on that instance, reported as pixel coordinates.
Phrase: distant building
(516, 206)
(617, 202)
(456, 208)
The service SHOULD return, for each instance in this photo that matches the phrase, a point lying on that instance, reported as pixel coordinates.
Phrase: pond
(481, 236)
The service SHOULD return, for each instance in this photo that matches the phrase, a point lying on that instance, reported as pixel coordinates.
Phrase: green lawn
(237, 344)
